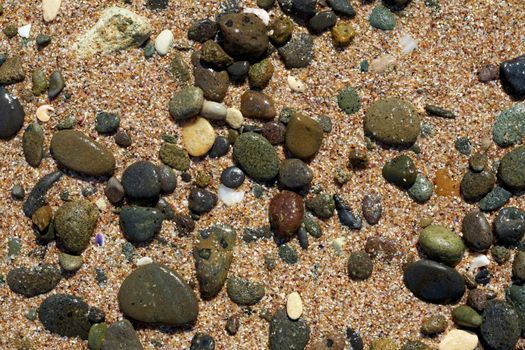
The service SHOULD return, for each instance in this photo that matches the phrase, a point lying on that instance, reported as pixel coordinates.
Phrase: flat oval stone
(286, 333)
(476, 230)
(77, 152)
(286, 213)
(244, 292)
(198, 137)
(433, 282)
(255, 104)
(141, 182)
(244, 35)
(256, 156)
(372, 208)
(30, 282)
(33, 144)
(512, 169)
(304, 136)
(11, 115)
(400, 171)
(65, 315)
(441, 244)
(474, 186)
(186, 103)
(295, 174)
(154, 293)
(140, 224)
(392, 121)
(74, 224)
(500, 328)
(167, 178)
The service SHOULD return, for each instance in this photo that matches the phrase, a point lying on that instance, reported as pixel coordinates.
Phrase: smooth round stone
(382, 18)
(168, 179)
(255, 104)
(213, 110)
(274, 132)
(164, 42)
(359, 266)
(304, 136)
(33, 144)
(214, 84)
(239, 70)
(56, 84)
(372, 208)
(322, 21)
(234, 118)
(77, 152)
(70, 263)
(244, 35)
(244, 292)
(509, 128)
(286, 333)
(349, 101)
(495, 199)
(400, 171)
(232, 177)
(65, 315)
(96, 335)
(256, 156)
(153, 293)
(295, 174)
(114, 191)
(518, 266)
(141, 182)
(458, 339)
(221, 146)
(294, 306)
(260, 74)
(286, 213)
(513, 77)
(298, 52)
(50, 9)
(121, 335)
(74, 224)
(203, 30)
(198, 137)
(174, 156)
(123, 139)
(11, 115)
(202, 341)
(441, 244)
(393, 122)
(107, 123)
(500, 328)
(37, 196)
(140, 224)
(466, 316)
(433, 282)
(186, 103)
(18, 192)
(281, 30)
(477, 232)
(475, 186)
(422, 189)
(509, 226)
(201, 201)
(30, 282)
(512, 169)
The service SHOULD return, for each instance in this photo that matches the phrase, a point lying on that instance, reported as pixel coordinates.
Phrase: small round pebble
(123, 139)
(349, 101)
(18, 192)
(288, 254)
(232, 177)
(359, 266)
(220, 147)
(202, 341)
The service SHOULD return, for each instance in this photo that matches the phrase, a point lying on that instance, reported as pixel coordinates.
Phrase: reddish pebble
(286, 213)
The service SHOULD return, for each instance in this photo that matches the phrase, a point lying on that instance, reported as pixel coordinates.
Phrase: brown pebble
(358, 158)
(470, 280)
(274, 132)
(330, 342)
(379, 247)
(232, 325)
(488, 73)
(372, 208)
(258, 105)
(477, 299)
(42, 217)
(434, 324)
(446, 186)
(286, 213)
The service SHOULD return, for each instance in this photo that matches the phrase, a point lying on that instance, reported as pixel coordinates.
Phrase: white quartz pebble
(458, 339)
(25, 31)
(50, 9)
(479, 261)
(408, 44)
(213, 110)
(144, 261)
(164, 42)
(261, 13)
(229, 196)
(295, 84)
(294, 306)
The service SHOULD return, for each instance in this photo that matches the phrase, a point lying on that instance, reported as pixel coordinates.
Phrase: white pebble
(295, 84)
(101, 204)
(164, 42)
(408, 44)
(380, 64)
(261, 13)
(479, 261)
(50, 9)
(459, 340)
(24, 31)
(42, 113)
(144, 261)
(338, 244)
(294, 306)
(214, 110)
(234, 118)
(229, 196)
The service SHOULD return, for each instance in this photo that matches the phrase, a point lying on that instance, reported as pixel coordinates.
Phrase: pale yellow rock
(234, 118)
(198, 137)
(381, 64)
(458, 339)
(294, 306)
(50, 9)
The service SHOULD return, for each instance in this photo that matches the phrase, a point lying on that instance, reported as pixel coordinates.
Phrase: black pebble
(483, 277)
(232, 177)
(220, 147)
(202, 341)
(238, 70)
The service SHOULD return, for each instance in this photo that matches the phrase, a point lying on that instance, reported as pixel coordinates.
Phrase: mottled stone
(37, 280)
(256, 156)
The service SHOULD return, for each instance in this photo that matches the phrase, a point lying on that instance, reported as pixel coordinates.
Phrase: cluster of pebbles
(234, 49)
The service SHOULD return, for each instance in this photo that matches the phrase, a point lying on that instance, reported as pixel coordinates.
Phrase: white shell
(479, 261)
(50, 9)
(261, 13)
(42, 113)
(144, 261)
(408, 44)
(229, 196)
(164, 42)
(294, 306)
(295, 84)
(25, 31)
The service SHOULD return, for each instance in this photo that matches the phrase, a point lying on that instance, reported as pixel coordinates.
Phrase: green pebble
(463, 145)
(260, 74)
(500, 254)
(321, 205)
(325, 122)
(441, 244)
(382, 18)
(42, 40)
(149, 50)
(97, 332)
(427, 129)
(509, 128)
(40, 83)
(169, 138)
(13, 247)
(65, 196)
(312, 226)
(256, 156)
(67, 123)
(439, 112)
(10, 31)
(70, 263)
(31, 314)
(363, 66)
(257, 191)
(265, 4)
(288, 254)
(495, 199)
(400, 171)
(180, 69)
(421, 190)
(349, 101)
(286, 115)
(359, 266)
(466, 316)
(174, 156)
(56, 84)
(415, 345)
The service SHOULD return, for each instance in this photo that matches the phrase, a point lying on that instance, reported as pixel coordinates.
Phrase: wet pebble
(232, 177)
(495, 199)
(509, 226)
(422, 189)
(140, 224)
(286, 333)
(295, 174)
(201, 201)
(141, 182)
(477, 232)
(274, 132)
(286, 213)
(244, 292)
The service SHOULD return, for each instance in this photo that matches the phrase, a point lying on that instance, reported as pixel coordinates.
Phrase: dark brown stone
(286, 213)
(256, 104)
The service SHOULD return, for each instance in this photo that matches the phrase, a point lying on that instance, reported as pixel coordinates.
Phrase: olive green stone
(304, 136)
(260, 74)
(212, 53)
(121, 336)
(75, 223)
(56, 84)
(33, 144)
(265, 4)
(359, 266)
(441, 244)
(392, 121)
(512, 169)
(70, 263)
(10, 31)
(186, 103)
(67, 123)
(349, 101)
(434, 324)
(40, 83)
(244, 292)
(383, 344)
(400, 171)
(256, 156)
(282, 29)
(466, 316)
(342, 34)
(96, 335)
(174, 156)
(30, 282)
(11, 71)
(474, 186)
(180, 69)
(382, 18)
(415, 345)
(321, 205)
